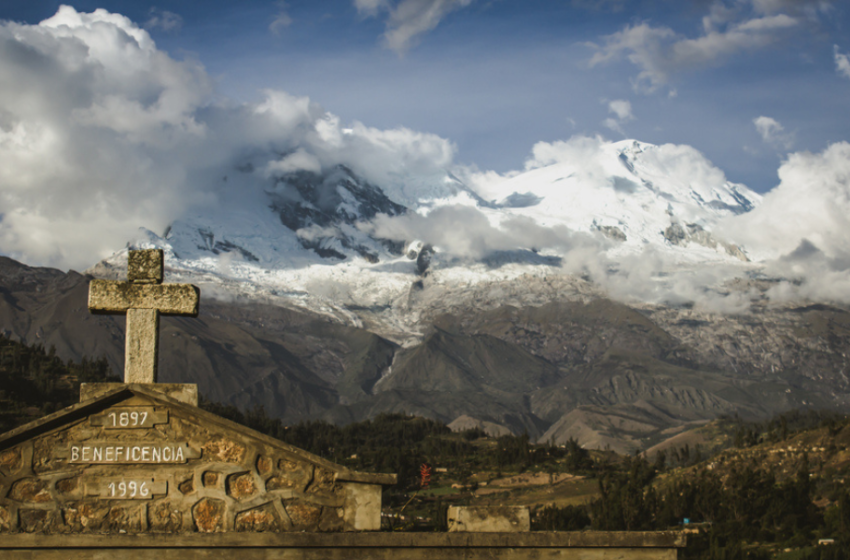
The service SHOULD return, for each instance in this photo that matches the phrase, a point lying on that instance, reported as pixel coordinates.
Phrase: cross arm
(110, 296)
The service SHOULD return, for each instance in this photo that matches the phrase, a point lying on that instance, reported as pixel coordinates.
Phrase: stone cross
(142, 298)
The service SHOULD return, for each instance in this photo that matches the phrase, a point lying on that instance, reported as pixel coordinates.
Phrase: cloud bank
(102, 133)
(811, 204)
(468, 232)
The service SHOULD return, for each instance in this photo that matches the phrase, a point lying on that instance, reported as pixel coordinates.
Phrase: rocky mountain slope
(597, 370)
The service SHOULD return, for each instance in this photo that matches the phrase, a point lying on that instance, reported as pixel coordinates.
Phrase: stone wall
(586, 545)
(86, 476)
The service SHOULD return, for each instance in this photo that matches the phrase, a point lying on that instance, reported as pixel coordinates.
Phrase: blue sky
(494, 77)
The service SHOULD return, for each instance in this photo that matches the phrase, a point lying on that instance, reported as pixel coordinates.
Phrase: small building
(144, 459)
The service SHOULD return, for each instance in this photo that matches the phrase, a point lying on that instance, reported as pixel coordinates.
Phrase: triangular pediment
(135, 460)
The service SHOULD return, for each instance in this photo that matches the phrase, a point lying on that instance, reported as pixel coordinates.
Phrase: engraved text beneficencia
(132, 453)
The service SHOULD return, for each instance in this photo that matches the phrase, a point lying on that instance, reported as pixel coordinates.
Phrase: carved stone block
(209, 515)
(165, 517)
(259, 519)
(226, 451)
(5, 519)
(211, 479)
(264, 465)
(10, 460)
(241, 486)
(33, 520)
(304, 516)
(145, 266)
(68, 485)
(31, 490)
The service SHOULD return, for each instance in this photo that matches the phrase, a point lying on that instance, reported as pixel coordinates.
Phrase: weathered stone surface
(125, 519)
(259, 519)
(68, 485)
(241, 486)
(32, 490)
(33, 520)
(109, 296)
(5, 519)
(362, 511)
(45, 460)
(292, 475)
(211, 479)
(145, 266)
(182, 392)
(11, 460)
(278, 483)
(332, 520)
(141, 348)
(225, 450)
(589, 545)
(264, 465)
(489, 519)
(75, 487)
(187, 486)
(209, 515)
(86, 516)
(142, 299)
(304, 516)
(165, 517)
(323, 481)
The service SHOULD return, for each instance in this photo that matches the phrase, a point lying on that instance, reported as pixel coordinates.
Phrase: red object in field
(425, 475)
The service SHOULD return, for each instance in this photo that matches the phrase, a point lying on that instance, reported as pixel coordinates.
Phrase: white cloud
(842, 63)
(773, 133)
(281, 20)
(660, 52)
(621, 108)
(622, 111)
(578, 148)
(164, 20)
(811, 202)
(300, 160)
(408, 20)
(102, 133)
(467, 232)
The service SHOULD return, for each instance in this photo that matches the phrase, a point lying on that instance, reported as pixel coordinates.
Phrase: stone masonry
(136, 461)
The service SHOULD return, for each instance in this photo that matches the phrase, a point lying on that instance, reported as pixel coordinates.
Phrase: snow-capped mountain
(632, 192)
(333, 242)
(525, 303)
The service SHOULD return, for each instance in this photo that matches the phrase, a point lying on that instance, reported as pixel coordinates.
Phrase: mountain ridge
(584, 364)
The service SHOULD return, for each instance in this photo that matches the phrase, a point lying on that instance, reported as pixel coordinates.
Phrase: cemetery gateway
(136, 468)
